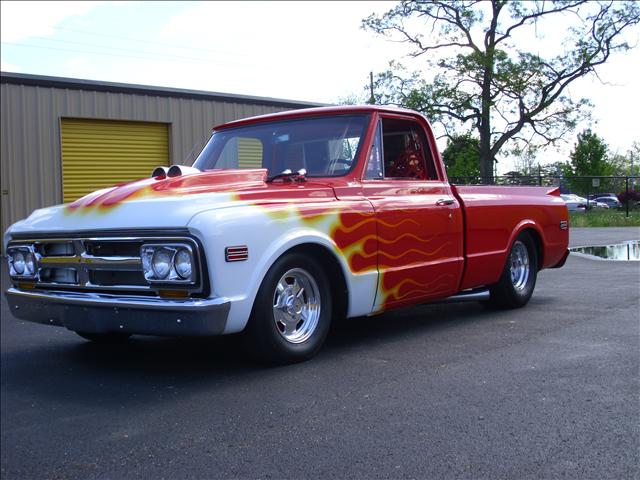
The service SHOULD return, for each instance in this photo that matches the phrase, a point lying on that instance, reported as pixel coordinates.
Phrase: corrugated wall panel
(30, 116)
(98, 154)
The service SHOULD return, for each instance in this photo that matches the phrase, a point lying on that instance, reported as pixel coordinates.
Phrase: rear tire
(105, 338)
(518, 279)
(292, 311)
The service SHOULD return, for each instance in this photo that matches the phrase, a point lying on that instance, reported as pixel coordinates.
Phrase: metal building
(62, 138)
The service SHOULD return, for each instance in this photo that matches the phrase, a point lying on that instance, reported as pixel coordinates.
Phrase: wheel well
(332, 268)
(537, 241)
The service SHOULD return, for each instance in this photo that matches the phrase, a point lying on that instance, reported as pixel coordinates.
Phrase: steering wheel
(407, 165)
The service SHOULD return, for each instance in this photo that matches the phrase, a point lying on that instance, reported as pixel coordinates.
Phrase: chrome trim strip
(90, 287)
(116, 301)
(93, 238)
(93, 263)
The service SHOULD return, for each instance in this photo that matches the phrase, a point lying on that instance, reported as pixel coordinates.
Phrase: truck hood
(163, 202)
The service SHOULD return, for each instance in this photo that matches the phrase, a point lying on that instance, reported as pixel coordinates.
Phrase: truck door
(419, 222)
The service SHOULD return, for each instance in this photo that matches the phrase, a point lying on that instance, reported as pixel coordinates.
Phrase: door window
(405, 151)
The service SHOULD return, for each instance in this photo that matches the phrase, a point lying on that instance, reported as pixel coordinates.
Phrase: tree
(627, 164)
(461, 157)
(483, 81)
(589, 158)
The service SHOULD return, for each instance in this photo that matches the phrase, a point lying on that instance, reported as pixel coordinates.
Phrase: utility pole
(372, 98)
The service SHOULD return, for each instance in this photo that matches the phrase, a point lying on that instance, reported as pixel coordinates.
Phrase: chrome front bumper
(102, 313)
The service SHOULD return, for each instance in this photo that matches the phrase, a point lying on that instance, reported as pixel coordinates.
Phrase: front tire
(292, 311)
(518, 280)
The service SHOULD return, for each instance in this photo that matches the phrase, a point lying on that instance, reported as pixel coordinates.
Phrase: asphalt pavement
(443, 391)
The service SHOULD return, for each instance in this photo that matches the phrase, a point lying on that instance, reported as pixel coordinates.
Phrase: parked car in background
(594, 204)
(612, 202)
(574, 203)
(593, 196)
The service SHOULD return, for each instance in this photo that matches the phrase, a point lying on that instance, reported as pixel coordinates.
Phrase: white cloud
(22, 20)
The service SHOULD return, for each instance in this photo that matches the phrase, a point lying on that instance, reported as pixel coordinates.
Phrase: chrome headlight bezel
(29, 257)
(150, 251)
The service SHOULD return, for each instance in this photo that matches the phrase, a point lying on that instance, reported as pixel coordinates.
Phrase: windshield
(323, 146)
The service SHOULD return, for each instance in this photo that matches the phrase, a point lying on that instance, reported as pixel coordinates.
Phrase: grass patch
(605, 218)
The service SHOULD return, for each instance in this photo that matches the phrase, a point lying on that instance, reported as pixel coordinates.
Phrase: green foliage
(590, 156)
(351, 99)
(552, 169)
(605, 218)
(461, 157)
(628, 164)
(513, 97)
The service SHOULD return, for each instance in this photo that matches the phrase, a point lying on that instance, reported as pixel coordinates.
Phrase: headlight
(22, 261)
(168, 263)
(18, 263)
(29, 264)
(182, 263)
(161, 262)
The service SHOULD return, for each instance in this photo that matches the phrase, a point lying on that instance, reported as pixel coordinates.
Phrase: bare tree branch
(490, 81)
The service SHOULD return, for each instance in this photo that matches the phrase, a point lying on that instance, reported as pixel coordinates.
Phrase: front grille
(101, 264)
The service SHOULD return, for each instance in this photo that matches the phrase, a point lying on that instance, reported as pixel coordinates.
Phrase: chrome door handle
(444, 202)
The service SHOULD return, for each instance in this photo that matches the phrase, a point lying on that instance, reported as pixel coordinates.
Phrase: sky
(307, 51)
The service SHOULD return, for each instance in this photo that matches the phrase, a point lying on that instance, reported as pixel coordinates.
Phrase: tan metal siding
(98, 154)
(31, 166)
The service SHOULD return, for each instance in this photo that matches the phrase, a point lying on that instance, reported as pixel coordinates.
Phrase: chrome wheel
(519, 265)
(296, 305)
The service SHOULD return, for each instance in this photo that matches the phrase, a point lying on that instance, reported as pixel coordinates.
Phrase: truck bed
(495, 215)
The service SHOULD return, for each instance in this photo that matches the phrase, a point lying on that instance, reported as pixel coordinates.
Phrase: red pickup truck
(284, 222)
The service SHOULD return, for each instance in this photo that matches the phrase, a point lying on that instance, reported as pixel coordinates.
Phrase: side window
(406, 153)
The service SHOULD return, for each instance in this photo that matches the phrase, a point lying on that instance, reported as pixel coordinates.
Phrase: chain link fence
(625, 188)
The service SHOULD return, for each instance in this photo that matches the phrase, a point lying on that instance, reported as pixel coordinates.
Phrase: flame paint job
(200, 183)
(396, 244)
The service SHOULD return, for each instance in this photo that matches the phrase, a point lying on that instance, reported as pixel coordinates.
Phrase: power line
(109, 47)
(162, 56)
(119, 37)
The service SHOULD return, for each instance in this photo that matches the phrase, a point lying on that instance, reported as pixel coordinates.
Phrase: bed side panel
(494, 216)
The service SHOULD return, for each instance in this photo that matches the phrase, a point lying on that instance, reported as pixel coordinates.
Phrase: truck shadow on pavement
(146, 368)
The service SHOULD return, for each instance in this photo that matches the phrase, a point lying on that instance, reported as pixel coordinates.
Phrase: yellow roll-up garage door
(249, 153)
(101, 153)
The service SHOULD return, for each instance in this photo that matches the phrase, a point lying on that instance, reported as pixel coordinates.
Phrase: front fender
(267, 237)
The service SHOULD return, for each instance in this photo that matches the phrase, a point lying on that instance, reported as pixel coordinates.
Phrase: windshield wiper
(288, 175)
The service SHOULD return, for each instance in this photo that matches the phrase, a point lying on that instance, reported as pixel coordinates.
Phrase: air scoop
(177, 170)
(173, 171)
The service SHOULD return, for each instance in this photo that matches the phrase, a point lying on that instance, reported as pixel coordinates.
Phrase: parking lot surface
(441, 391)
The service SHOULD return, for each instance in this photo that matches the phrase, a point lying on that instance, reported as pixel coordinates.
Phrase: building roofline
(114, 87)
